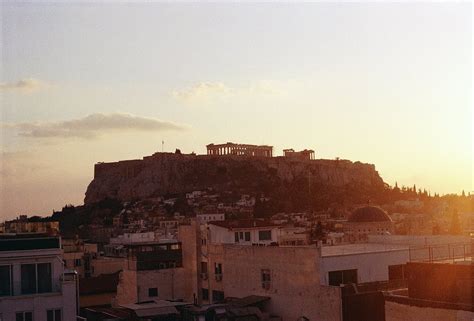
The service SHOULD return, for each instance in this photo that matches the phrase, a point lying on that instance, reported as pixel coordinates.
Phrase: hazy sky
(389, 84)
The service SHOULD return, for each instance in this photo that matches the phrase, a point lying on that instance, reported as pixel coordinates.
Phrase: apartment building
(34, 286)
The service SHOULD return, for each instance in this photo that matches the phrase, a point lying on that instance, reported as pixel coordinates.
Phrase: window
(36, 278)
(264, 235)
(24, 316)
(266, 278)
(396, 272)
(203, 267)
(54, 315)
(152, 292)
(28, 279)
(44, 277)
(217, 268)
(205, 294)
(5, 280)
(247, 236)
(337, 278)
(236, 237)
(217, 296)
(77, 262)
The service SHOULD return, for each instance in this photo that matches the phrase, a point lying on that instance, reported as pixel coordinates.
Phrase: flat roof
(33, 243)
(244, 224)
(360, 248)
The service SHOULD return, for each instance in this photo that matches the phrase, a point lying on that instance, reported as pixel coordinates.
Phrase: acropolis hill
(236, 167)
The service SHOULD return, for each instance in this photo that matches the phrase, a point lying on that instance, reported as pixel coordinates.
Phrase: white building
(245, 232)
(131, 238)
(204, 218)
(362, 263)
(33, 282)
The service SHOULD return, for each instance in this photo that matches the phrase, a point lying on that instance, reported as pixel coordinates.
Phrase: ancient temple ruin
(304, 154)
(240, 149)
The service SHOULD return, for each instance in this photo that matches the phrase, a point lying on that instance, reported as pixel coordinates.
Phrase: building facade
(246, 232)
(33, 282)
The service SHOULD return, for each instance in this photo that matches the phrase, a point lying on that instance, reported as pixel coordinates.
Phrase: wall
(189, 236)
(66, 300)
(169, 282)
(63, 295)
(127, 288)
(223, 235)
(107, 265)
(91, 300)
(370, 266)
(441, 282)
(294, 290)
(133, 285)
(401, 312)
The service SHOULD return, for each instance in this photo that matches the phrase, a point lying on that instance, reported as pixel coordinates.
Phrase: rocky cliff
(166, 173)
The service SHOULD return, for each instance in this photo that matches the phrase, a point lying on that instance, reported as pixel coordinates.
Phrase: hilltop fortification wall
(168, 173)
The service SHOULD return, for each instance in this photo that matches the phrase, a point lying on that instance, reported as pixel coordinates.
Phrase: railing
(443, 252)
(56, 287)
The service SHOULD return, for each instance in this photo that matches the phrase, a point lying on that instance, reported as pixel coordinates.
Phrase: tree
(455, 224)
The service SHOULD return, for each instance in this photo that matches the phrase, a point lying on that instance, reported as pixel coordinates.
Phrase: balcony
(56, 287)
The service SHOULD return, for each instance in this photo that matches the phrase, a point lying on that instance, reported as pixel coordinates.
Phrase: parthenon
(240, 149)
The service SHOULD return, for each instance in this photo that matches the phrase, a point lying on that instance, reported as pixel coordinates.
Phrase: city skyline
(86, 83)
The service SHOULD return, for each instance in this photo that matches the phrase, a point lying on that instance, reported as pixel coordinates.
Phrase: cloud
(202, 91)
(209, 91)
(26, 85)
(93, 126)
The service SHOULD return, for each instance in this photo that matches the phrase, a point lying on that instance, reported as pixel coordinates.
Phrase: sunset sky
(388, 84)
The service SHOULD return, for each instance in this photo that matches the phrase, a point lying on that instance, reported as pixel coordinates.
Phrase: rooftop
(360, 248)
(25, 242)
(244, 224)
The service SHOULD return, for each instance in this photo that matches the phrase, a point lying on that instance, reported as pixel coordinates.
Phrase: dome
(369, 214)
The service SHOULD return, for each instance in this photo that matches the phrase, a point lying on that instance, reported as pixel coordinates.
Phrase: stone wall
(165, 173)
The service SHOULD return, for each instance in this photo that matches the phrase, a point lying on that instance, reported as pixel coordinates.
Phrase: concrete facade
(245, 234)
(204, 218)
(134, 286)
(291, 279)
(371, 262)
(62, 294)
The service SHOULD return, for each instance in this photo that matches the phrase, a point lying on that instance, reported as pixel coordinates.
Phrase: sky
(382, 83)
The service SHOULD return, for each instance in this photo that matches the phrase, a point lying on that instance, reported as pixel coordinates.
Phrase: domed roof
(369, 214)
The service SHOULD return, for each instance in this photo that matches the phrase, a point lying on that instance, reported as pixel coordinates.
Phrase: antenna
(162, 145)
